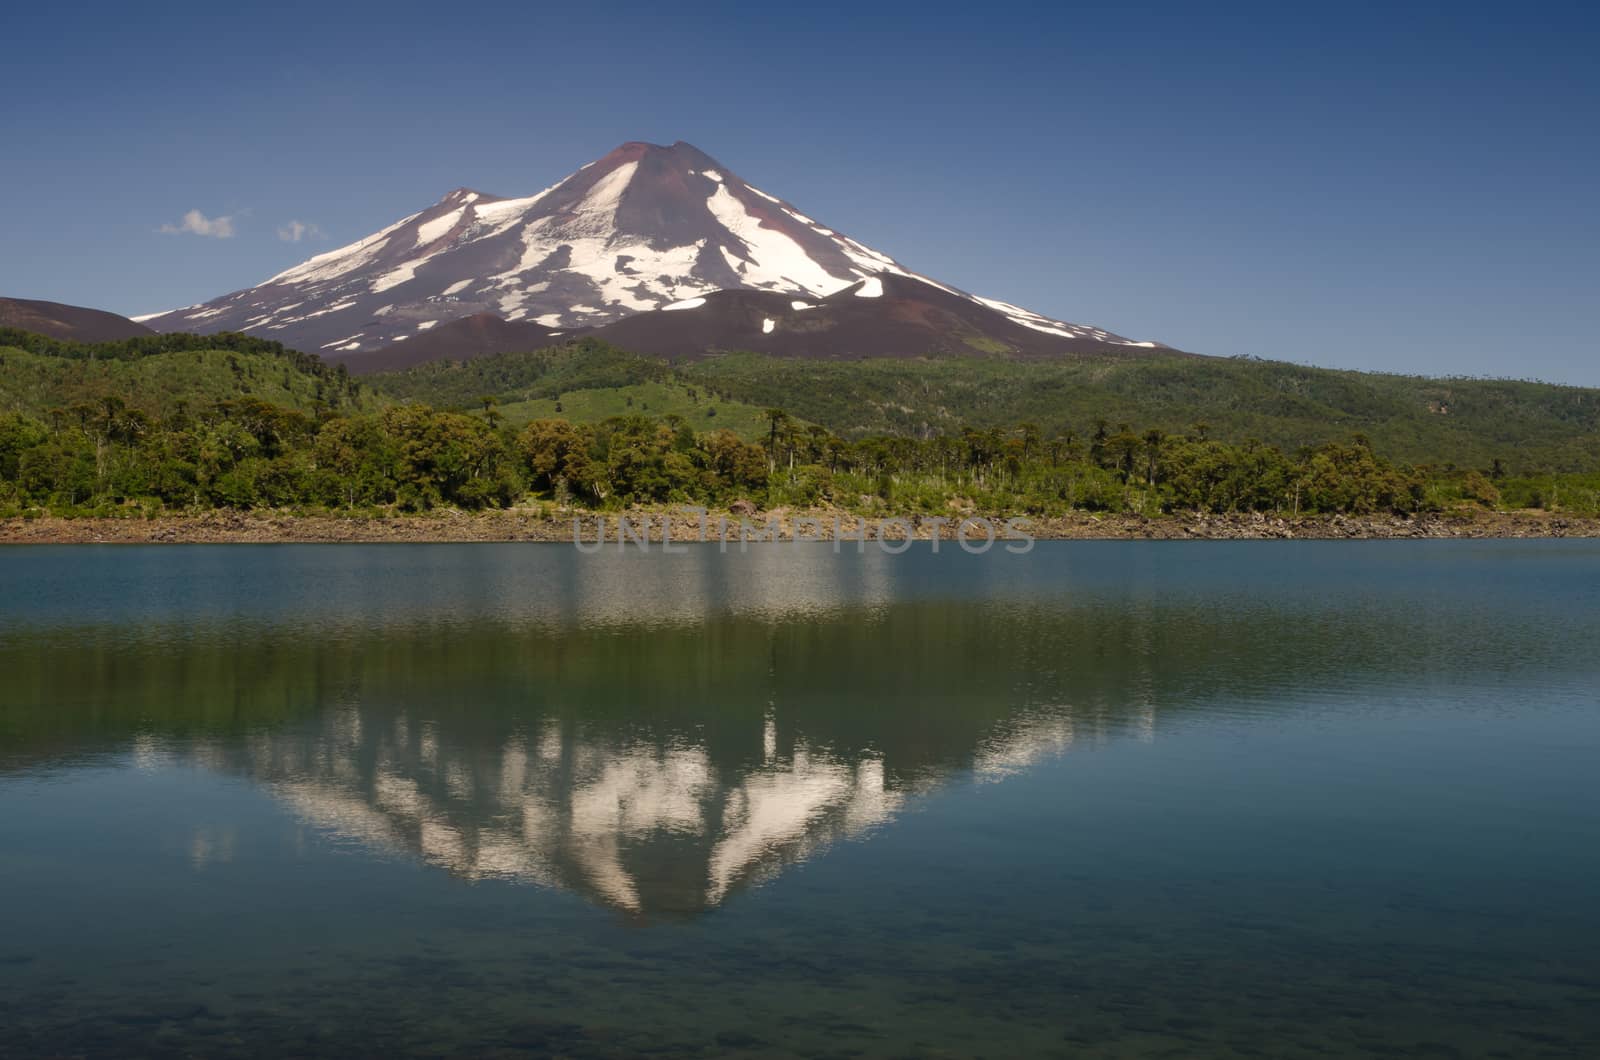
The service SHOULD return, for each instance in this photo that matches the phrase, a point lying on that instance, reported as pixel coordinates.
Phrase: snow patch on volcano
(343, 260)
(429, 231)
(776, 260)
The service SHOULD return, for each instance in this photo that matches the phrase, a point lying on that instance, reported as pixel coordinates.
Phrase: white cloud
(295, 231)
(199, 224)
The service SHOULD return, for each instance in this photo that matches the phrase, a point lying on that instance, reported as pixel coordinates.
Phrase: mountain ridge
(69, 323)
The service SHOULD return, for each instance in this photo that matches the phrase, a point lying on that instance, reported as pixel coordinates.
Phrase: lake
(1103, 799)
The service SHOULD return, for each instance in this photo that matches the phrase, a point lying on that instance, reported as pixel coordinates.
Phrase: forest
(107, 458)
(183, 423)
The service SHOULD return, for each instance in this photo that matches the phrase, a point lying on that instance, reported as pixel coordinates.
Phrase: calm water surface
(1103, 800)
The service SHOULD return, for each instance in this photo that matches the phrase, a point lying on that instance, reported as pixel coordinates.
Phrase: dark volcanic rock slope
(479, 335)
(71, 322)
(641, 229)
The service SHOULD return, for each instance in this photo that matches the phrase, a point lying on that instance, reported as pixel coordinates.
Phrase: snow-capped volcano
(643, 228)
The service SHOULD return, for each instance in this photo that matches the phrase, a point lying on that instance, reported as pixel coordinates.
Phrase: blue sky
(1352, 185)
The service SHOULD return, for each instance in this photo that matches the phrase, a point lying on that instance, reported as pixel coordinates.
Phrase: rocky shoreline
(656, 525)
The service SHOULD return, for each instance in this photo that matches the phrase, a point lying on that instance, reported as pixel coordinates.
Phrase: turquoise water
(1104, 799)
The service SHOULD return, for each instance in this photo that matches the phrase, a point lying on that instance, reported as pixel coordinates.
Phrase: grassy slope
(591, 380)
(34, 383)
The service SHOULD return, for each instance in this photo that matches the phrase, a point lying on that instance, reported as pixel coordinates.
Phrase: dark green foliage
(18, 435)
(583, 364)
(246, 453)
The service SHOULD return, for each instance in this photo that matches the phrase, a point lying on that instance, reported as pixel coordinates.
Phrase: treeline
(251, 454)
(106, 457)
(1117, 468)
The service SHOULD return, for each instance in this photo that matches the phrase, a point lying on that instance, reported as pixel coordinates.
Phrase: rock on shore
(685, 526)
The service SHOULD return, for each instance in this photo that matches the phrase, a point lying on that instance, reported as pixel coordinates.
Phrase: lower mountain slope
(1466, 422)
(463, 339)
(885, 315)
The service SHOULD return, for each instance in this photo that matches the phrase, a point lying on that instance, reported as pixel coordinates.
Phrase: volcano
(644, 228)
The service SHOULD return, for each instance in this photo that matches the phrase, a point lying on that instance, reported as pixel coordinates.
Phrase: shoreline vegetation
(647, 528)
